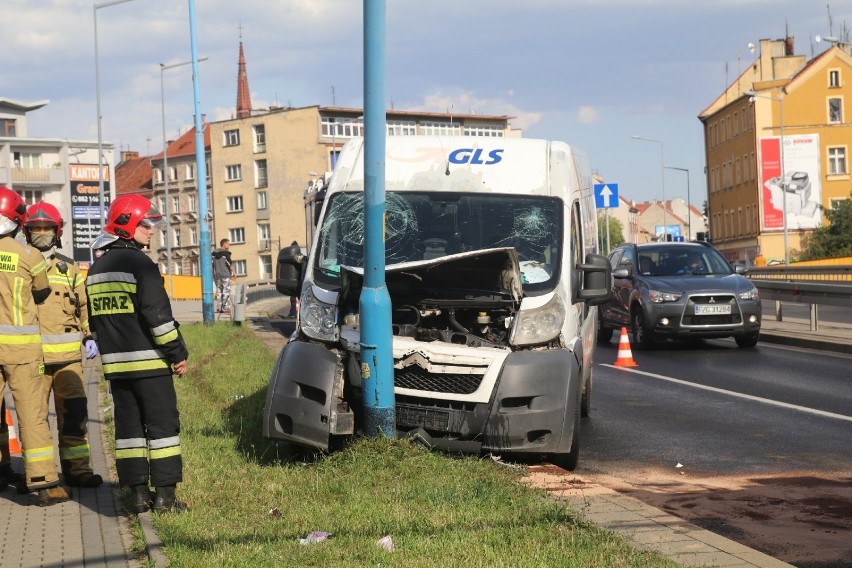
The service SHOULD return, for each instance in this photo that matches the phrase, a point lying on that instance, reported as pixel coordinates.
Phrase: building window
(488, 130)
(30, 195)
(835, 111)
(163, 237)
(158, 175)
(234, 172)
(261, 200)
(441, 128)
(261, 179)
(193, 236)
(176, 234)
(237, 235)
(190, 171)
(837, 160)
(232, 137)
(172, 173)
(162, 201)
(27, 160)
(834, 78)
(401, 127)
(259, 131)
(263, 231)
(175, 204)
(265, 267)
(336, 127)
(239, 267)
(9, 127)
(190, 203)
(235, 204)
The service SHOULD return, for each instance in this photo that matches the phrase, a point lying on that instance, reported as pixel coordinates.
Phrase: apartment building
(776, 146)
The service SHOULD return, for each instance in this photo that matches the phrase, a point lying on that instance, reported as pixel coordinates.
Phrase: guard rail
(815, 286)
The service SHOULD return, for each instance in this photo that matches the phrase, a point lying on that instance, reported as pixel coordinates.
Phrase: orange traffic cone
(14, 443)
(625, 356)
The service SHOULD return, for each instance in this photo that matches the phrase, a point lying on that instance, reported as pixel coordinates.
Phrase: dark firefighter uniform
(23, 274)
(64, 322)
(131, 320)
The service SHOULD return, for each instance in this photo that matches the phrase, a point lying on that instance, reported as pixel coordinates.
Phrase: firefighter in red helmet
(141, 348)
(23, 285)
(64, 322)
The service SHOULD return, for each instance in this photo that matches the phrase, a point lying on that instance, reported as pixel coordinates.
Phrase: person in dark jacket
(223, 272)
(141, 348)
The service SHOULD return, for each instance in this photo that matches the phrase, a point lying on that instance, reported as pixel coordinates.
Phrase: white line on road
(736, 394)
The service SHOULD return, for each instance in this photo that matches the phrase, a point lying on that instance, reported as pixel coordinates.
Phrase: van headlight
(539, 325)
(317, 319)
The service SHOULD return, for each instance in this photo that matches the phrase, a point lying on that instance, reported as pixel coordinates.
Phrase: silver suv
(677, 291)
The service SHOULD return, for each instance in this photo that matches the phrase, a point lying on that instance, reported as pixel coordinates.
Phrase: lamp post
(663, 179)
(168, 239)
(688, 202)
(780, 100)
(95, 9)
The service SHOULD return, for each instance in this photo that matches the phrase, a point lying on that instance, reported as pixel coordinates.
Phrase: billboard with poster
(801, 180)
(86, 207)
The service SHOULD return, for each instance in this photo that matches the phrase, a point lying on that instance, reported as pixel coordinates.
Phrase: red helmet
(12, 206)
(44, 214)
(127, 212)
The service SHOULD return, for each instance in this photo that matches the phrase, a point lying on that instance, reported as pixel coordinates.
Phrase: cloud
(467, 102)
(587, 114)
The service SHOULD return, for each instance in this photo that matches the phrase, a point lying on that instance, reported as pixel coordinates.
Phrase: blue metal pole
(201, 167)
(375, 306)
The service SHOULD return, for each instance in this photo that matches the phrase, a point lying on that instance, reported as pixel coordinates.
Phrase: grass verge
(250, 508)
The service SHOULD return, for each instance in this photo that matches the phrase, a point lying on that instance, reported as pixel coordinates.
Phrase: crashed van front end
(473, 371)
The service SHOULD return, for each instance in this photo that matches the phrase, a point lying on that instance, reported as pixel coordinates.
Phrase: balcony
(264, 245)
(47, 176)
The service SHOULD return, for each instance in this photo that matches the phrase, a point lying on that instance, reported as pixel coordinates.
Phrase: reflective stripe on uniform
(164, 447)
(38, 267)
(164, 333)
(39, 454)
(60, 279)
(145, 360)
(124, 443)
(62, 342)
(104, 287)
(81, 451)
(131, 453)
(19, 334)
(17, 302)
(126, 448)
(150, 365)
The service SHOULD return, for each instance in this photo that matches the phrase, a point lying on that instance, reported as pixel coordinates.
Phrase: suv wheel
(604, 333)
(642, 336)
(749, 340)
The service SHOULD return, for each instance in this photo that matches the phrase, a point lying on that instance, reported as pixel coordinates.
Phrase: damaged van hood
(490, 274)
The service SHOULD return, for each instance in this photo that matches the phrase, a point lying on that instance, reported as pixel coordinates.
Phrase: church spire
(243, 97)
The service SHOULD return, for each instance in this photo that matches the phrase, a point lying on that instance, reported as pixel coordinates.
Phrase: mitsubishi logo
(712, 300)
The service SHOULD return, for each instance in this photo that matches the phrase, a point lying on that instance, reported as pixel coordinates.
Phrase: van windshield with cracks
(428, 225)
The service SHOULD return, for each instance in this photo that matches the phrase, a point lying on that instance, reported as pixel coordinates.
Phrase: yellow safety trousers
(69, 399)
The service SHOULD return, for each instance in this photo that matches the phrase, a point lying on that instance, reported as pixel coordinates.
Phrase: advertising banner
(799, 187)
(86, 207)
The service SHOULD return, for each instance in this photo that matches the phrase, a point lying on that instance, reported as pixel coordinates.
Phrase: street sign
(606, 195)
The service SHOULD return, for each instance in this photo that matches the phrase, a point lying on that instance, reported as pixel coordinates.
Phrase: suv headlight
(750, 295)
(317, 319)
(661, 297)
(539, 325)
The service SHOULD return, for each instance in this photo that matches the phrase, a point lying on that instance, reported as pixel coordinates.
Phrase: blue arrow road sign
(606, 195)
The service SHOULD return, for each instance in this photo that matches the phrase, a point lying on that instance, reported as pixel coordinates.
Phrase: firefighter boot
(10, 476)
(52, 496)
(85, 479)
(166, 502)
(140, 498)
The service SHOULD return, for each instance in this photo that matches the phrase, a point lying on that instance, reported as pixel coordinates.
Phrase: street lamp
(780, 100)
(663, 180)
(688, 202)
(164, 67)
(95, 9)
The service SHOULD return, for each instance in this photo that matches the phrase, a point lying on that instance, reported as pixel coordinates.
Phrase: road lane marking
(735, 394)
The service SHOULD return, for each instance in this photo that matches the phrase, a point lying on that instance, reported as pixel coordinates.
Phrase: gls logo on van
(471, 156)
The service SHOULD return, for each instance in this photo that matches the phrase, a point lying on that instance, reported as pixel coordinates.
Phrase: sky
(593, 73)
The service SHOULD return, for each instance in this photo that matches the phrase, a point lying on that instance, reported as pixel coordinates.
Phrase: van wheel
(642, 336)
(749, 340)
(604, 333)
(569, 461)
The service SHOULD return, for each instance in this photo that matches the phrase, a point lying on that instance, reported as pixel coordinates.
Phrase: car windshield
(429, 225)
(672, 260)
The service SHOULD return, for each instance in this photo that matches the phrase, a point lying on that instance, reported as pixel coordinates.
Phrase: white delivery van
(493, 276)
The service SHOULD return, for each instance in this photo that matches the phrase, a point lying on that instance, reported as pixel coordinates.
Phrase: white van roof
(460, 164)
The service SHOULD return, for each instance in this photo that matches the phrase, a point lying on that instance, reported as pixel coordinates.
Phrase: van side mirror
(289, 269)
(597, 280)
(740, 268)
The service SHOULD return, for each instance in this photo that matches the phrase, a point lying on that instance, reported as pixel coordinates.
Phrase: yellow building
(781, 101)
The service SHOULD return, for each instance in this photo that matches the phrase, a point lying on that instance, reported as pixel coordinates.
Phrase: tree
(835, 239)
(616, 233)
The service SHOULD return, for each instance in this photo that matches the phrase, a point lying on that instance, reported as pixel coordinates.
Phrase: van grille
(416, 378)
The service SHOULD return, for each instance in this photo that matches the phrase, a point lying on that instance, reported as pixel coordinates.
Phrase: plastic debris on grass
(385, 542)
(315, 536)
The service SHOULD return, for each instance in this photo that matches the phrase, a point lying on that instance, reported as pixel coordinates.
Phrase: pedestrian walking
(223, 272)
(141, 348)
(64, 322)
(23, 285)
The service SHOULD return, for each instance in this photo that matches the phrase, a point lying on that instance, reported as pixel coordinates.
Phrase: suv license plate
(709, 310)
